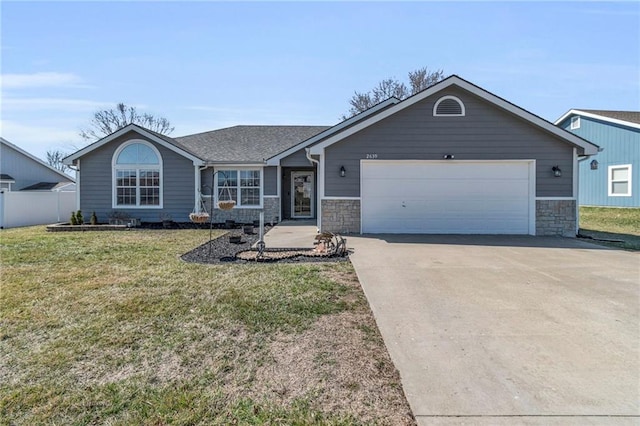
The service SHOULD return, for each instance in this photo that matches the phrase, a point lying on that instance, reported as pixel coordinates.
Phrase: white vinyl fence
(35, 208)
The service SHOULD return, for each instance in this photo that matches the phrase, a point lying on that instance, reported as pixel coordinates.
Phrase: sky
(207, 65)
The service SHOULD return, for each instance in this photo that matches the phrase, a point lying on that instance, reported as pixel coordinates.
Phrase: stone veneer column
(341, 216)
(556, 217)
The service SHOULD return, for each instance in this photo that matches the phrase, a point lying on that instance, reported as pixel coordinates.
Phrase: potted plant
(199, 217)
(226, 204)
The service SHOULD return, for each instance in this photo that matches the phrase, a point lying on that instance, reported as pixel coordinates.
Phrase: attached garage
(448, 197)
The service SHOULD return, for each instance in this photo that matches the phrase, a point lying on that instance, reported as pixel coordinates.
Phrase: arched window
(137, 176)
(448, 106)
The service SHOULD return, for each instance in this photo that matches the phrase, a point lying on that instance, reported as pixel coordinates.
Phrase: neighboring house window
(137, 176)
(620, 181)
(448, 106)
(243, 186)
(575, 122)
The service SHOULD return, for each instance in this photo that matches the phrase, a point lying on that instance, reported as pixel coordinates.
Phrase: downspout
(579, 159)
(307, 152)
(77, 170)
(199, 189)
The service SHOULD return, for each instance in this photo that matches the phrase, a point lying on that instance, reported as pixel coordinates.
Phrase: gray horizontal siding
(96, 184)
(297, 159)
(270, 181)
(485, 133)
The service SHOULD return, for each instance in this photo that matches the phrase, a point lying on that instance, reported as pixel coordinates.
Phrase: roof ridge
(253, 126)
(608, 110)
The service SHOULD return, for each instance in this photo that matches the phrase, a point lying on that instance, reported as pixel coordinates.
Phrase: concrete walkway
(505, 330)
(292, 234)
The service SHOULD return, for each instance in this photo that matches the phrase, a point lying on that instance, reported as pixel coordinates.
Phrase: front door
(302, 195)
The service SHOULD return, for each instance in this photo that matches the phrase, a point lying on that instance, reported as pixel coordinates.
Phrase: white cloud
(37, 140)
(42, 79)
(57, 104)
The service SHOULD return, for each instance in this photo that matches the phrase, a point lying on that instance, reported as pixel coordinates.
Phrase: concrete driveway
(507, 330)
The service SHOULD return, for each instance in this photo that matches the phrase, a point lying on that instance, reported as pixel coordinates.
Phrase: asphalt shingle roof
(245, 144)
(41, 186)
(630, 116)
(4, 176)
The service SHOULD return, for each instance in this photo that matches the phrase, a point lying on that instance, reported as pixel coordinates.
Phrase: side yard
(113, 328)
(617, 227)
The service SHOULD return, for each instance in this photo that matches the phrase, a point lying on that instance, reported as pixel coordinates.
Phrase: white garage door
(460, 197)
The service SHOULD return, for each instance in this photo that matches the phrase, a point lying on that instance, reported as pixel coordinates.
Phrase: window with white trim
(448, 106)
(620, 181)
(137, 176)
(575, 122)
(242, 186)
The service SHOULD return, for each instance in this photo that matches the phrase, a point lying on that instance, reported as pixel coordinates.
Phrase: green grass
(112, 328)
(606, 223)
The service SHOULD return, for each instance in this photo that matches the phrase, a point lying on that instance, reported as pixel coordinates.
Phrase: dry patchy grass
(112, 328)
(608, 223)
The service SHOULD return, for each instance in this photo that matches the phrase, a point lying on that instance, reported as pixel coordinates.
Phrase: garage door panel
(439, 188)
(444, 170)
(443, 198)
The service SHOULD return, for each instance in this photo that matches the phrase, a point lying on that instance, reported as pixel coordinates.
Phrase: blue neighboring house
(611, 178)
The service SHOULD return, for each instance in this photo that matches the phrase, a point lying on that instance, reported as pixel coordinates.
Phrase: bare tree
(110, 120)
(54, 159)
(419, 80)
(422, 78)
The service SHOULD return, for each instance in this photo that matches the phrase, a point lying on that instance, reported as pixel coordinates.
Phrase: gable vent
(449, 106)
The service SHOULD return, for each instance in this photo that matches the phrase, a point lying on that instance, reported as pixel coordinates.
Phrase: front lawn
(605, 223)
(113, 328)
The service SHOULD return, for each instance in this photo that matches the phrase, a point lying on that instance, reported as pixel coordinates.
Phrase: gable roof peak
(586, 147)
(624, 118)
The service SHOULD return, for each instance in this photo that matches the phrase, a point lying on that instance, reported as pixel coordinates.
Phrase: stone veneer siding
(553, 217)
(271, 207)
(556, 217)
(341, 216)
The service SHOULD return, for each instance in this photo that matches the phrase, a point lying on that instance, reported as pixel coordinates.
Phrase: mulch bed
(220, 250)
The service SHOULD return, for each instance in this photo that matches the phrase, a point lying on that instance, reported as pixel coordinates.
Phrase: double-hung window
(619, 181)
(243, 186)
(137, 176)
